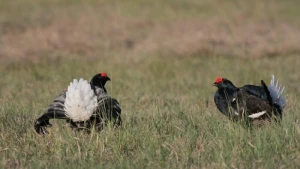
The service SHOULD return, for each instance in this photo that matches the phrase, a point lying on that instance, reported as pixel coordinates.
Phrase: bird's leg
(42, 122)
(118, 122)
(72, 124)
(98, 122)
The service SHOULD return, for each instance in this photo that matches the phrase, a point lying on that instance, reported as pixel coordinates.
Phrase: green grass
(163, 81)
(169, 116)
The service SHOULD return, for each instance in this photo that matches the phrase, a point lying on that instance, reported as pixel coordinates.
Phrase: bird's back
(257, 91)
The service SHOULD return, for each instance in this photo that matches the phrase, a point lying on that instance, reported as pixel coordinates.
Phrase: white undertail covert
(276, 91)
(81, 100)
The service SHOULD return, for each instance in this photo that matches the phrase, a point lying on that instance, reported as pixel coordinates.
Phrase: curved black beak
(214, 84)
(108, 79)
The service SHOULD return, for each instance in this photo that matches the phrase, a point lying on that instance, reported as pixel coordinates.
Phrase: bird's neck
(94, 87)
(229, 89)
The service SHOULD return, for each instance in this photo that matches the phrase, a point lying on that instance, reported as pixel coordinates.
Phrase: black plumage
(250, 102)
(108, 109)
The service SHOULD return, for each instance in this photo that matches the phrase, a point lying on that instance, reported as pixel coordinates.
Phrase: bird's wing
(247, 104)
(54, 110)
(108, 107)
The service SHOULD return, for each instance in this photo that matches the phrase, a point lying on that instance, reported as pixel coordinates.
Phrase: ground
(162, 57)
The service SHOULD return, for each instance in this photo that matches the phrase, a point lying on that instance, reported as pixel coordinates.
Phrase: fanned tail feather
(276, 91)
(81, 100)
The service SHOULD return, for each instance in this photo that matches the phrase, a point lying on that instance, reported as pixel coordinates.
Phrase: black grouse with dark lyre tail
(83, 105)
(252, 103)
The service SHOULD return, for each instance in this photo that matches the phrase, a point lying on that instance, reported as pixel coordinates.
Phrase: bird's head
(100, 79)
(223, 83)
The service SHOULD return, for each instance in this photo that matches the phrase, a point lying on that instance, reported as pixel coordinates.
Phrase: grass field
(162, 57)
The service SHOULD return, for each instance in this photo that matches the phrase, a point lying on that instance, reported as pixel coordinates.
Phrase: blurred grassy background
(163, 57)
(95, 29)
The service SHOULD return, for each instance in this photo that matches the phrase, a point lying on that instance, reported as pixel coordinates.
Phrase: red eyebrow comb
(103, 74)
(219, 80)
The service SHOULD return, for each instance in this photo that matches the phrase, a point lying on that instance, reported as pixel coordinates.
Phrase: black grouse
(255, 104)
(82, 105)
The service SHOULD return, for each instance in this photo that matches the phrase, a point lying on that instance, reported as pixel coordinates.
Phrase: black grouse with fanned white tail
(83, 105)
(251, 103)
